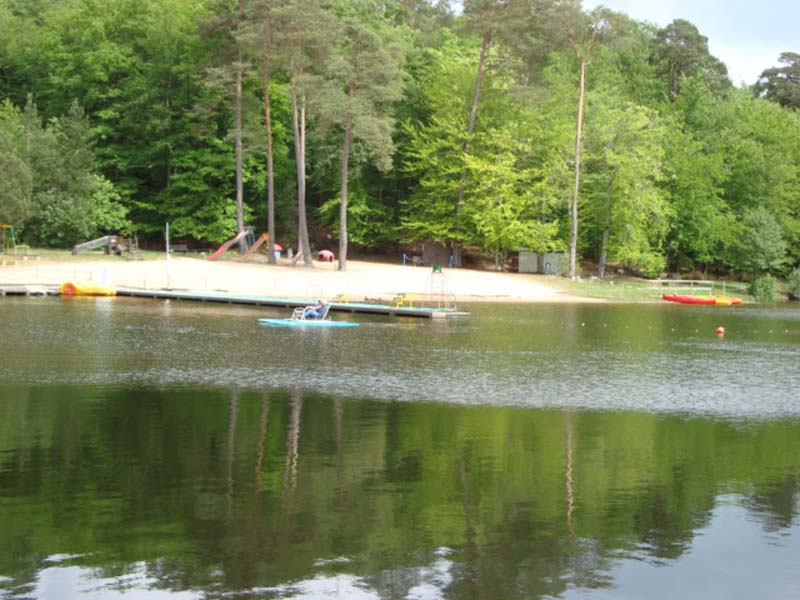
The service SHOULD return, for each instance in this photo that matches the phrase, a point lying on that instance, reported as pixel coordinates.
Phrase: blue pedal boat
(305, 323)
(298, 319)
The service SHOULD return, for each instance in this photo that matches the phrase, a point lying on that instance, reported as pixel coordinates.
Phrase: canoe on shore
(712, 300)
(305, 323)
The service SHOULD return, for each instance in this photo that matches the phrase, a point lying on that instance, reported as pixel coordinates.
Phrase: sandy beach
(362, 280)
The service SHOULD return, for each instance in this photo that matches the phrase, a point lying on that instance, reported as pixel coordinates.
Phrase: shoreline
(363, 281)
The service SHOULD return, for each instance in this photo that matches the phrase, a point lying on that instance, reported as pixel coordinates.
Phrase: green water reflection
(290, 494)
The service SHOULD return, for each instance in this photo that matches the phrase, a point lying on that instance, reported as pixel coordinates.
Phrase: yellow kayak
(726, 300)
(80, 288)
(718, 300)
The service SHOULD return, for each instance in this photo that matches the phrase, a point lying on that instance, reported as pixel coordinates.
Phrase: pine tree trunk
(233, 403)
(238, 136)
(270, 166)
(573, 208)
(289, 481)
(299, 129)
(343, 206)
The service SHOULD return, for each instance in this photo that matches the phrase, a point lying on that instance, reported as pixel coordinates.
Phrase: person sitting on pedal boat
(315, 311)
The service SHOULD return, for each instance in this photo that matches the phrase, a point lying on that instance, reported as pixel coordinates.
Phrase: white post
(167, 238)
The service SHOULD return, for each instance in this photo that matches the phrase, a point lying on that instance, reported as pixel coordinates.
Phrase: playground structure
(239, 236)
(259, 243)
(8, 239)
(251, 243)
(10, 248)
(111, 244)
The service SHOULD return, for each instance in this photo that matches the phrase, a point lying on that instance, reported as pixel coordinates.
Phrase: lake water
(177, 450)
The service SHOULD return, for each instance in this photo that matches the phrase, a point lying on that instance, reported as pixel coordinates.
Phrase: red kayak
(714, 300)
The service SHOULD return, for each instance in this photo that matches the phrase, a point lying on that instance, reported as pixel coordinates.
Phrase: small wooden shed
(548, 263)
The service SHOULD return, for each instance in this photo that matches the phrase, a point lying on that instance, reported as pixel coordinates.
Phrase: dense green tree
(184, 101)
(70, 201)
(759, 247)
(434, 154)
(483, 17)
(793, 283)
(624, 145)
(782, 84)
(369, 221)
(693, 177)
(626, 64)
(502, 209)
(434, 158)
(761, 149)
(15, 169)
(681, 51)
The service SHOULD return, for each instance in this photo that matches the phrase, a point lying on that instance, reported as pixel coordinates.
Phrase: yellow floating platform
(79, 288)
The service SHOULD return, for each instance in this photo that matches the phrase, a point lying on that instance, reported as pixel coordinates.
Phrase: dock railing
(686, 287)
(697, 287)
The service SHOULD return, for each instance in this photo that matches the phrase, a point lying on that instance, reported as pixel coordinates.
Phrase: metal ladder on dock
(438, 293)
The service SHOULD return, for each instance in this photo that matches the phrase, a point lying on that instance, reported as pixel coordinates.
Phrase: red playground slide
(226, 245)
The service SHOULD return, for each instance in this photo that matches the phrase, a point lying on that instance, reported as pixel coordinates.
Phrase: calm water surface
(163, 450)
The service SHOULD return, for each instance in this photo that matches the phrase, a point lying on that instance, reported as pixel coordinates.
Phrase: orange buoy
(720, 331)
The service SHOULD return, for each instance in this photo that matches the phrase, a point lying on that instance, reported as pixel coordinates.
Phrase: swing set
(8, 239)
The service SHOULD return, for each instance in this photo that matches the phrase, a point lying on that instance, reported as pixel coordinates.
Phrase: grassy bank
(637, 290)
(66, 256)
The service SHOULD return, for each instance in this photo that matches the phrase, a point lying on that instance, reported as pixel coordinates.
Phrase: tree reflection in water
(197, 492)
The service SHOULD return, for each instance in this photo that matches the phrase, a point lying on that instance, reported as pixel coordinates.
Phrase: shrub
(763, 288)
(794, 284)
(760, 246)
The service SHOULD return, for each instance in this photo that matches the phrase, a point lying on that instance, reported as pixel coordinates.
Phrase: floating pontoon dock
(352, 307)
(27, 290)
(226, 298)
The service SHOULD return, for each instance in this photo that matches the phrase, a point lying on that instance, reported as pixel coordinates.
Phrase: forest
(492, 127)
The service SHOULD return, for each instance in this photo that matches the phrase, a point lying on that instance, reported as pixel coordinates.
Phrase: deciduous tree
(15, 171)
(624, 148)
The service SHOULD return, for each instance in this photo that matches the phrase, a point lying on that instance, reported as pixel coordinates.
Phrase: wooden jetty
(352, 307)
